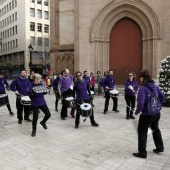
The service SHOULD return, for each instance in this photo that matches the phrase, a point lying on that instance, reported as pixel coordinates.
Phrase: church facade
(121, 35)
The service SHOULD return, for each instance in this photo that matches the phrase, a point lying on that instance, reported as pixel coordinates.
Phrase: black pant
(20, 109)
(57, 97)
(130, 101)
(144, 123)
(45, 110)
(66, 94)
(77, 120)
(7, 105)
(107, 96)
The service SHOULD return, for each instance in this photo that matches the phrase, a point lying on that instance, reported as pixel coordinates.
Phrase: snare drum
(85, 109)
(92, 95)
(3, 99)
(70, 102)
(114, 93)
(25, 100)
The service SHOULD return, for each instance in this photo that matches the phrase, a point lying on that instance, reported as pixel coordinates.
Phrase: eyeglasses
(79, 75)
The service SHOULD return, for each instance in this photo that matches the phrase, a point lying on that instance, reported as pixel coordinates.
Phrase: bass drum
(85, 110)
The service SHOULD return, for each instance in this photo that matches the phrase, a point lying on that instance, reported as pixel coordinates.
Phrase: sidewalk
(62, 147)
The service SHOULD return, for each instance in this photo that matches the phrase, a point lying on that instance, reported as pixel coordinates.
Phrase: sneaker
(19, 121)
(11, 113)
(76, 126)
(139, 155)
(132, 117)
(104, 112)
(158, 150)
(127, 117)
(33, 133)
(43, 125)
(28, 120)
(116, 110)
(95, 124)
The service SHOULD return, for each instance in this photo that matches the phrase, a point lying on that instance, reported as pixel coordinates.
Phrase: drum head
(3, 95)
(85, 106)
(69, 98)
(25, 98)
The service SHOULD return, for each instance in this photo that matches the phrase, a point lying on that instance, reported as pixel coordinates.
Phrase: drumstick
(130, 108)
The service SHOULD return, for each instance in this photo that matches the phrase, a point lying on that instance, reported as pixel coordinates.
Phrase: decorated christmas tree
(164, 79)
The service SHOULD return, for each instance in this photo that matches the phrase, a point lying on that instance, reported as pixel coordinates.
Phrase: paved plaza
(62, 147)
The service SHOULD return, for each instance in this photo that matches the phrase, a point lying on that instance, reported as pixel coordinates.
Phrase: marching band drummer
(2, 90)
(108, 83)
(20, 87)
(55, 87)
(131, 88)
(38, 102)
(65, 88)
(81, 87)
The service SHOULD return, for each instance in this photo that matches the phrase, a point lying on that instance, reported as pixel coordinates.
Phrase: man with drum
(20, 87)
(2, 91)
(82, 89)
(108, 83)
(65, 89)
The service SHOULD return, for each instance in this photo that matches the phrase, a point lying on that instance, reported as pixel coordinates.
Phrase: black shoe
(63, 118)
(19, 121)
(116, 110)
(93, 105)
(139, 156)
(43, 125)
(104, 112)
(56, 109)
(127, 117)
(28, 120)
(11, 113)
(76, 126)
(158, 150)
(132, 117)
(33, 133)
(95, 124)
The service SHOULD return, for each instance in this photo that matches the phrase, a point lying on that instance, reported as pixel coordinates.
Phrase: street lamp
(30, 50)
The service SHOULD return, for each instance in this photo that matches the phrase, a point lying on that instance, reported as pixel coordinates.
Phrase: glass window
(39, 42)
(39, 13)
(32, 41)
(45, 14)
(46, 42)
(15, 16)
(32, 1)
(39, 1)
(46, 2)
(32, 26)
(46, 28)
(32, 12)
(39, 27)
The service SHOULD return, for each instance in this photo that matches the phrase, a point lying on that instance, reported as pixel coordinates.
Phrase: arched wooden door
(125, 49)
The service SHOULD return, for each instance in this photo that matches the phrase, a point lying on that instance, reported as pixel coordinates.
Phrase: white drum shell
(85, 109)
(3, 99)
(114, 93)
(25, 100)
(70, 102)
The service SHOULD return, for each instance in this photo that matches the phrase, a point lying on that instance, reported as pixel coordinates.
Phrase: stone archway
(143, 15)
